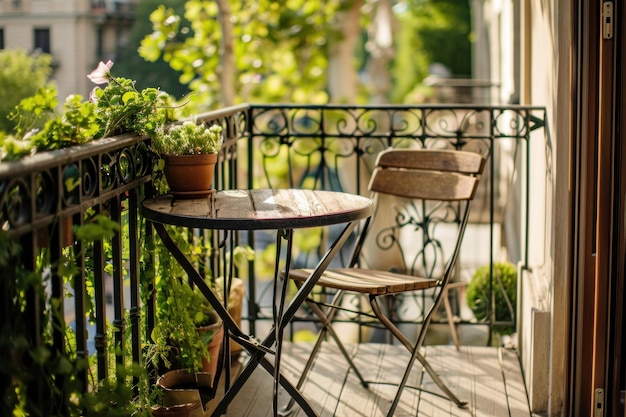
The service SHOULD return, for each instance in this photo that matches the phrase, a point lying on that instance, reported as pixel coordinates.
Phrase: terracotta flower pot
(181, 410)
(235, 307)
(214, 347)
(181, 387)
(190, 176)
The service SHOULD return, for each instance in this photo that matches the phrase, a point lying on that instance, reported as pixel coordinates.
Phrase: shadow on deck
(488, 378)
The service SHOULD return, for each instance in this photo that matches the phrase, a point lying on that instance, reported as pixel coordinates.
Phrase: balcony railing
(52, 279)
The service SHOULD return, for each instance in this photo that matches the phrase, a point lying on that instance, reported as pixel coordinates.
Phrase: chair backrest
(427, 174)
(419, 194)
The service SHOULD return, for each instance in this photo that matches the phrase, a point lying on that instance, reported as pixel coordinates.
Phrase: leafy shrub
(504, 290)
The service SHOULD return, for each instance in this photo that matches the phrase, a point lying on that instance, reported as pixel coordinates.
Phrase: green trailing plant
(126, 393)
(120, 107)
(504, 291)
(176, 343)
(39, 126)
(180, 309)
(119, 396)
(114, 106)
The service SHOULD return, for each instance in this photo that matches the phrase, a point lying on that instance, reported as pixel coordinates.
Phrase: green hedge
(504, 290)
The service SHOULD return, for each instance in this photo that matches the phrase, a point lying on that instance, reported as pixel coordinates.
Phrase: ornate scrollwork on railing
(335, 147)
(315, 146)
(15, 195)
(36, 190)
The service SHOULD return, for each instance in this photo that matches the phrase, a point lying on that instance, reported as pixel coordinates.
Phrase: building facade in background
(78, 34)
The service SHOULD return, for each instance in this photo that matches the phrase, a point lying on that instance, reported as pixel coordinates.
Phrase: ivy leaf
(99, 228)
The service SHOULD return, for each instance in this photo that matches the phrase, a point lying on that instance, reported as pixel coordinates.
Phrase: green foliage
(116, 108)
(117, 397)
(279, 50)
(444, 27)
(504, 292)
(32, 362)
(176, 343)
(187, 138)
(120, 108)
(429, 32)
(39, 127)
(149, 74)
(38, 361)
(99, 227)
(180, 309)
(21, 76)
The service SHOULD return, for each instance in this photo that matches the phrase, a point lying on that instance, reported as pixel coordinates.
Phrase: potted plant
(211, 329)
(178, 352)
(504, 292)
(175, 341)
(190, 153)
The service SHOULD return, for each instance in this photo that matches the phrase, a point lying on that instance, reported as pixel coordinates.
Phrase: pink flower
(92, 95)
(102, 74)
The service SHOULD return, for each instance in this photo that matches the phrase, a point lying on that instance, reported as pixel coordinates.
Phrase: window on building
(1, 38)
(42, 40)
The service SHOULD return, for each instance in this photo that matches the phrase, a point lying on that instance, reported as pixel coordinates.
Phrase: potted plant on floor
(190, 154)
(178, 353)
(211, 330)
(503, 290)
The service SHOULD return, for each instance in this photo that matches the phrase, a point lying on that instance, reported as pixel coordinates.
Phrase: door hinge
(599, 403)
(607, 20)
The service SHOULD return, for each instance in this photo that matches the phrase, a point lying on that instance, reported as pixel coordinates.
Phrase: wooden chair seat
(366, 281)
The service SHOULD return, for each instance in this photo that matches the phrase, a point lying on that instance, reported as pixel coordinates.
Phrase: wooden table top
(262, 209)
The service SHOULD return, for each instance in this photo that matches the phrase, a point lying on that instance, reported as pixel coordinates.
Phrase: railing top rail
(489, 107)
(46, 160)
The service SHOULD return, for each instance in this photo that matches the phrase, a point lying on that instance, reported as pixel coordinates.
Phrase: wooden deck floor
(488, 378)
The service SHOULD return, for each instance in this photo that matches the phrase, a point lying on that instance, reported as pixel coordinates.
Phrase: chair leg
(450, 316)
(326, 320)
(414, 350)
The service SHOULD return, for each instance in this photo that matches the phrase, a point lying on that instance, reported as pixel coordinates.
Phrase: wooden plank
(323, 389)
(374, 364)
(515, 387)
(451, 367)
(488, 378)
(489, 391)
(253, 399)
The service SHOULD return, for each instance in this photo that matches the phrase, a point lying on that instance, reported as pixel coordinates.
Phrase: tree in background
(21, 76)
(430, 31)
(299, 51)
(150, 74)
(248, 51)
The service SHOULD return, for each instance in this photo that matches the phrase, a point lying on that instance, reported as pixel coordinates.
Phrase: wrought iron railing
(335, 146)
(110, 278)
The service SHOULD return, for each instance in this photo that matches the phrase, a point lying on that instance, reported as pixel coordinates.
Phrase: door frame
(597, 178)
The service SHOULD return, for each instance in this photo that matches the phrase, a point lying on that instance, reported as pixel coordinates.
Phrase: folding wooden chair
(430, 189)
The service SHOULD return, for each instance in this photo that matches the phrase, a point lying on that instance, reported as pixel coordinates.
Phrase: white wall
(527, 45)
(547, 82)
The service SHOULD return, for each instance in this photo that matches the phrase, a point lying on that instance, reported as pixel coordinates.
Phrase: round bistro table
(282, 210)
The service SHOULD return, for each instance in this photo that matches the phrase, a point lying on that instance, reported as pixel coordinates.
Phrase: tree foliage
(278, 49)
(156, 74)
(21, 76)
(431, 32)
